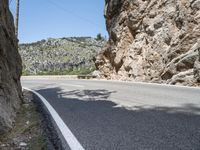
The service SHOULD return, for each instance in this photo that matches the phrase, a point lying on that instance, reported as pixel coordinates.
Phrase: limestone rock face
(151, 40)
(10, 70)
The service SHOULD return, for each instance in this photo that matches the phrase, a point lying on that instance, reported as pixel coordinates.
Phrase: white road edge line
(74, 85)
(66, 132)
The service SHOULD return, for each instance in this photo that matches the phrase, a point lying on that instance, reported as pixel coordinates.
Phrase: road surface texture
(108, 115)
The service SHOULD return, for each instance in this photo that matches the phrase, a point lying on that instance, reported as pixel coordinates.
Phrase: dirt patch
(27, 133)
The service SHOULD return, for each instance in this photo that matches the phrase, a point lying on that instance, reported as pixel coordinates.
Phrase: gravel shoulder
(27, 133)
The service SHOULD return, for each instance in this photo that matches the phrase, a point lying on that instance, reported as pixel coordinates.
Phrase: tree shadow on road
(89, 95)
(99, 124)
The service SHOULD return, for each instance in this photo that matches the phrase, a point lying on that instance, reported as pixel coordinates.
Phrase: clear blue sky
(41, 19)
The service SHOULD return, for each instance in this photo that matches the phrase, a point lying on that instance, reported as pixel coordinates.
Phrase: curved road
(108, 115)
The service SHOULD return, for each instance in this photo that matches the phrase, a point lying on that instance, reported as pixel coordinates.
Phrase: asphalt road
(106, 115)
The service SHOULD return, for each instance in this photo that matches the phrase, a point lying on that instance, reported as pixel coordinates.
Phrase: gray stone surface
(197, 67)
(10, 70)
(151, 41)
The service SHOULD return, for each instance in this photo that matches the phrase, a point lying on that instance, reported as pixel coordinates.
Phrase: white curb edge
(66, 132)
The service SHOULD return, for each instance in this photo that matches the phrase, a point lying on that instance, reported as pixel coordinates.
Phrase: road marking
(147, 83)
(66, 132)
(75, 85)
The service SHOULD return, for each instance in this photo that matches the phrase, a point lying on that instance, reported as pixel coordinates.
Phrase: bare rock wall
(10, 70)
(152, 41)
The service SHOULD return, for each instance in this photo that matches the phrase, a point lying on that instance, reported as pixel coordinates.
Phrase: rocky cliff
(10, 70)
(152, 40)
(60, 56)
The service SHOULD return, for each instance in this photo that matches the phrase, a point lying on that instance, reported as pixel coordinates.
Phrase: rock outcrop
(197, 67)
(10, 70)
(60, 56)
(151, 40)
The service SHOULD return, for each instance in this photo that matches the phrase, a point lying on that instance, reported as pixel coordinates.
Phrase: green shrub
(25, 73)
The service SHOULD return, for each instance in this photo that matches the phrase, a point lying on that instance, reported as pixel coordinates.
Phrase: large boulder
(10, 70)
(151, 41)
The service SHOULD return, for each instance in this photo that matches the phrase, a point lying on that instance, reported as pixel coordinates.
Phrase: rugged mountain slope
(10, 70)
(60, 55)
(152, 40)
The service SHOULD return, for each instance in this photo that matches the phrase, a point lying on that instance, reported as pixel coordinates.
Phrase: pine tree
(99, 37)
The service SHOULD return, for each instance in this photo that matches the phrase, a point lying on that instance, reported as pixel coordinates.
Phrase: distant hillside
(72, 55)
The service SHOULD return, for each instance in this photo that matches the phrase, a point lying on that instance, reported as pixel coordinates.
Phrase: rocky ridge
(152, 41)
(10, 70)
(60, 55)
